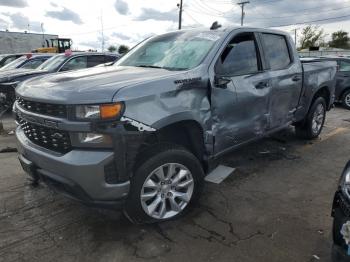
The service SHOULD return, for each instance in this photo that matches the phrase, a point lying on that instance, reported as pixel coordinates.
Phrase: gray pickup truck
(141, 135)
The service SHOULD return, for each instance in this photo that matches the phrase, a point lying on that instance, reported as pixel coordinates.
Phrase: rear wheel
(313, 124)
(346, 99)
(167, 182)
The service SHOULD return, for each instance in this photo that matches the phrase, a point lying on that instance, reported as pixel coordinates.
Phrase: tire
(310, 129)
(346, 99)
(171, 199)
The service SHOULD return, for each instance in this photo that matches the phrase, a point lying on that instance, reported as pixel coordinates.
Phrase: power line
(312, 21)
(190, 16)
(306, 13)
(210, 8)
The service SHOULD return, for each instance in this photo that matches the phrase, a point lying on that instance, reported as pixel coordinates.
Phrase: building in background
(17, 42)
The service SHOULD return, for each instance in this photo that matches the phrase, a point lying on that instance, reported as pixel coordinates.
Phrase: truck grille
(52, 139)
(43, 108)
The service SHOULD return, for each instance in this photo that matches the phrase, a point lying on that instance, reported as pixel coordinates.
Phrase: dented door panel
(240, 112)
(286, 88)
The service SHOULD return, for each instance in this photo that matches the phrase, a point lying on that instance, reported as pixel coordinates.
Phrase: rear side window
(10, 59)
(32, 64)
(76, 63)
(344, 66)
(96, 60)
(276, 51)
(240, 57)
(109, 58)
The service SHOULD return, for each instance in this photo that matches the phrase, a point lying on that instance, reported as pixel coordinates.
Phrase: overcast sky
(130, 21)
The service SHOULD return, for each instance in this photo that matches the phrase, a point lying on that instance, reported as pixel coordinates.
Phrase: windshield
(173, 51)
(14, 64)
(52, 63)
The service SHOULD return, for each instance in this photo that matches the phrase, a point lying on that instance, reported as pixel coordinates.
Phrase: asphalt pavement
(275, 207)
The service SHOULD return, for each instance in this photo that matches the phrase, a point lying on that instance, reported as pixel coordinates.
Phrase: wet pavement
(275, 207)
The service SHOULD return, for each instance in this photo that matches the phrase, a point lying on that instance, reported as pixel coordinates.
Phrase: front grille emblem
(57, 136)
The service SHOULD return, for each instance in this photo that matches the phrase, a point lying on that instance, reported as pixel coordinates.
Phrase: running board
(219, 174)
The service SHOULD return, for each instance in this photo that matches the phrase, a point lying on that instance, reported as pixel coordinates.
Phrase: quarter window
(276, 50)
(240, 57)
(96, 60)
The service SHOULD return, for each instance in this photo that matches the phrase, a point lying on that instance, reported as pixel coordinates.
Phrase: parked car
(341, 218)
(342, 90)
(28, 61)
(9, 79)
(142, 134)
(8, 58)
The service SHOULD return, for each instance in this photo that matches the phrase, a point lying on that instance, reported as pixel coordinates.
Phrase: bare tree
(312, 36)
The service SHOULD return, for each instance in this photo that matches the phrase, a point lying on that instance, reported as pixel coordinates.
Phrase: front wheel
(314, 121)
(167, 182)
(346, 99)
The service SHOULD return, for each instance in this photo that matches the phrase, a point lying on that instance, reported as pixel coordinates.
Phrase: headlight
(345, 180)
(95, 112)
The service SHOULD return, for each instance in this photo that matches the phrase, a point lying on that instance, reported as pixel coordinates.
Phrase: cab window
(276, 51)
(240, 57)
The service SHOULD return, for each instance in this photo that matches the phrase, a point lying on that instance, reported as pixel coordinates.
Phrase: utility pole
(180, 14)
(242, 4)
(42, 30)
(295, 35)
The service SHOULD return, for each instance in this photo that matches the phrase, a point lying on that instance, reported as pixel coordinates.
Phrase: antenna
(102, 34)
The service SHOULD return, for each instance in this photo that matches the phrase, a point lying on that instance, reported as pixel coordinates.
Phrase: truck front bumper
(79, 174)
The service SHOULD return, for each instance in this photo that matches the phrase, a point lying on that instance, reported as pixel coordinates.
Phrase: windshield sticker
(208, 36)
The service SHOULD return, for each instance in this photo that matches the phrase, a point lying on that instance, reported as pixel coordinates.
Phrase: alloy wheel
(167, 191)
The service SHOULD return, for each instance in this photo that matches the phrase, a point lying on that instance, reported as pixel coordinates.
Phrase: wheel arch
(343, 92)
(322, 92)
(187, 133)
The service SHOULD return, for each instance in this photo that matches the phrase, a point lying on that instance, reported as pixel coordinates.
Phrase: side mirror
(221, 81)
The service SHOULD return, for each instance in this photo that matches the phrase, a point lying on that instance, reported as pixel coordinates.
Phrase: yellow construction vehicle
(58, 45)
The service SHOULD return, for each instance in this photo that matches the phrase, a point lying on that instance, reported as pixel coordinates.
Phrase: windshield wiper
(150, 66)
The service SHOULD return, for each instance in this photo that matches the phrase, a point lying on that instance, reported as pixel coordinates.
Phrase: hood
(18, 74)
(94, 85)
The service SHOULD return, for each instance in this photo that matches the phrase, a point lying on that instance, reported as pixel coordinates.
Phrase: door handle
(262, 85)
(221, 81)
(296, 78)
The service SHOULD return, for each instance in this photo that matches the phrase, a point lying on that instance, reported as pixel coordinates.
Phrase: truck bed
(316, 74)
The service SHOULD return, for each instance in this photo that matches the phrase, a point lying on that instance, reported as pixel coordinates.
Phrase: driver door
(240, 94)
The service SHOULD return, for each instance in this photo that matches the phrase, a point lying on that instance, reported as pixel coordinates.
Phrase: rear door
(240, 93)
(286, 78)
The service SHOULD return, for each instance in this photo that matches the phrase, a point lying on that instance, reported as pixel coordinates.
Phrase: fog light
(94, 138)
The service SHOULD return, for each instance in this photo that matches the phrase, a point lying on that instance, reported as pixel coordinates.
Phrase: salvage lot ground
(275, 207)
